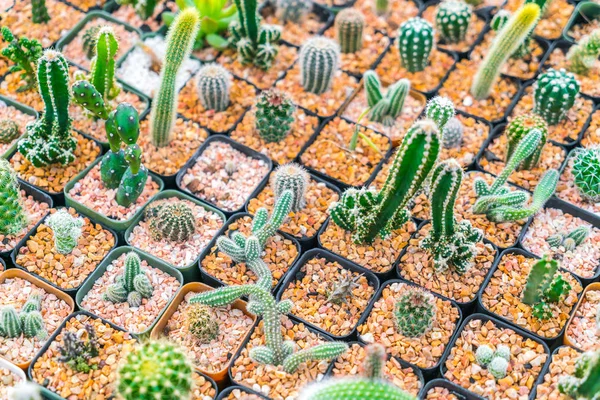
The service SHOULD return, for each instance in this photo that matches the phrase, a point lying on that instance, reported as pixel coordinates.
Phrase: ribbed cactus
(414, 312)
(155, 370)
(517, 129)
(415, 42)
(554, 95)
(49, 138)
(294, 178)
(13, 217)
(213, 84)
(385, 109)
(274, 115)
(10, 323)
(173, 221)
(115, 293)
(39, 12)
(180, 40)
(586, 173)
(201, 322)
(319, 61)
(9, 131)
(451, 243)
(584, 382)
(132, 269)
(496, 362)
(293, 11)
(349, 26)
(33, 325)
(142, 285)
(452, 19)
(452, 133)
(499, 20)
(134, 299)
(33, 303)
(89, 40)
(440, 109)
(368, 214)
(576, 237)
(544, 286)
(508, 40)
(132, 285)
(583, 56)
(66, 230)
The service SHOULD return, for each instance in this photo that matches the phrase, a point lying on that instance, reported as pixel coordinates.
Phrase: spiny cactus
(517, 129)
(341, 289)
(484, 355)
(10, 323)
(368, 214)
(49, 139)
(78, 349)
(13, 217)
(544, 286)
(39, 12)
(33, 303)
(586, 173)
(293, 10)
(9, 131)
(173, 221)
(180, 40)
(554, 95)
(440, 109)
(452, 133)
(349, 25)
(499, 20)
(24, 53)
(569, 240)
(291, 177)
(584, 383)
(452, 19)
(33, 325)
(496, 361)
(385, 109)
(508, 40)
(201, 322)
(66, 230)
(415, 42)
(132, 286)
(414, 312)
(214, 83)
(498, 367)
(319, 61)
(451, 243)
(583, 56)
(133, 267)
(89, 40)
(274, 115)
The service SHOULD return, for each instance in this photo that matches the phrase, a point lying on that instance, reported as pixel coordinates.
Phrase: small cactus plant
(349, 25)
(584, 383)
(172, 221)
(497, 362)
(484, 355)
(415, 312)
(89, 40)
(39, 12)
(499, 20)
(274, 115)
(586, 173)
(452, 19)
(132, 286)
(13, 217)
(570, 240)
(544, 287)
(415, 42)
(78, 349)
(200, 321)
(214, 84)
(341, 289)
(319, 61)
(517, 129)
(293, 10)
(452, 133)
(584, 54)
(10, 323)
(385, 109)
(440, 109)
(9, 131)
(66, 230)
(498, 367)
(24, 53)
(291, 177)
(554, 94)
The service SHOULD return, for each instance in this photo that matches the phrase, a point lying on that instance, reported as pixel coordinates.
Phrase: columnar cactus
(214, 84)
(582, 57)
(9, 131)
(291, 177)
(10, 323)
(452, 19)
(293, 10)
(544, 286)
(180, 40)
(440, 109)
(586, 173)
(49, 138)
(415, 42)
(499, 20)
(385, 109)
(132, 286)
(415, 312)
(319, 61)
(155, 370)
(517, 129)
(584, 383)
(508, 40)
(66, 230)
(274, 115)
(349, 25)
(452, 133)
(201, 322)
(172, 221)
(451, 243)
(13, 217)
(39, 12)
(554, 94)
(24, 53)
(496, 361)
(89, 40)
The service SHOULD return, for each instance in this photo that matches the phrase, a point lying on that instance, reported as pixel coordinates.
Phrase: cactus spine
(517, 129)
(452, 133)
(294, 178)
(173, 221)
(293, 11)
(414, 312)
(555, 93)
(12, 214)
(586, 173)
(274, 115)
(512, 35)
(584, 54)
(584, 383)
(39, 12)
(544, 286)
(319, 61)
(452, 19)
(349, 25)
(415, 41)
(66, 229)
(214, 83)
(385, 109)
(180, 40)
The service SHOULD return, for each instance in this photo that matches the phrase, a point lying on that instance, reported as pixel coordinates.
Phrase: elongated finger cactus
(294, 178)
(517, 129)
(274, 115)
(201, 322)
(293, 10)
(385, 109)
(554, 94)
(173, 221)
(440, 109)
(13, 217)
(415, 42)
(512, 35)
(66, 230)
(586, 173)
(584, 382)
(319, 61)
(39, 12)
(414, 312)
(349, 26)
(452, 19)
(583, 56)
(213, 84)
(180, 40)
(452, 133)
(544, 286)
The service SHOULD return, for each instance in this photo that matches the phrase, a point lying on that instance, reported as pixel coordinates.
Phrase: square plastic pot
(584, 12)
(546, 369)
(454, 389)
(25, 110)
(592, 286)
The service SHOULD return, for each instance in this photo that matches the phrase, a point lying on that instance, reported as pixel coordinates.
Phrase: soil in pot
(134, 319)
(295, 33)
(183, 253)
(319, 298)
(279, 254)
(68, 383)
(578, 31)
(66, 271)
(416, 266)
(8, 380)
(8, 112)
(583, 260)
(239, 394)
(583, 331)
(224, 176)
(527, 361)
(476, 25)
(35, 210)
(562, 364)
(203, 388)
(398, 12)
(567, 191)
(441, 393)
(590, 83)
(591, 136)
(425, 351)
(504, 299)
(553, 20)
(15, 292)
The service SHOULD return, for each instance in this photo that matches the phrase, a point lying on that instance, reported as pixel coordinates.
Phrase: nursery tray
(190, 273)
(460, 392)
(88, 284)
(584, 12)
(225, 393)
(591, 286)
(25, 110)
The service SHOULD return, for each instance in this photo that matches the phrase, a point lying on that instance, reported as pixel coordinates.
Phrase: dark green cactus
(498, 22)
(214, 83)
(10, 323)
(584, 382)
(24, 53)
(415, 41)
(452, 19)
(385, 109)
(517, 129)
(415, 312)
(274, 115)
(544, 286)
(349, 25)
(173, 221)
(39, 12)
(554, 95)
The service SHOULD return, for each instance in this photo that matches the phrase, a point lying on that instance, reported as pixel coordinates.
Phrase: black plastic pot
(25, 110)
(551, 342)
(458, 391)
(546, 369)
(225, 393)
(583, 13)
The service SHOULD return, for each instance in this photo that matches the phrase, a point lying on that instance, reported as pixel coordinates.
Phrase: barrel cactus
(414, 312)
(586, 173)
(319, 61)
(415, 41)
(554, 95)
(274, 115)
(89, 40)
(452, 133)
(291, 177)
(385, 108)
(214, 84)
(349, 25)
(452, 20)
(173, 221)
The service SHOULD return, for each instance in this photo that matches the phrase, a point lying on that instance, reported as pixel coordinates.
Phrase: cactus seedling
(584, 383)
(66, 230)
(555, 93)
(13, 217)
(9, 131)
(349, 25)
(10, 323)
(78, 349)
(517, 129)
(544, 286)
(415, 41)
(452, 133)
(385, 109)
(274, 115)
(584, 54)
(415, 312)
(214, 83)
(293, 10)
(586, 173)
(319, 61)
(172, 221)
(570, 240)
(291, 177)
(497, 362)
(342, 289)
(452, 19)
(440, 109)
(24, 53)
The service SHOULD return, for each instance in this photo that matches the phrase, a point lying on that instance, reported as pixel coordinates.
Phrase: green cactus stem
(576, 237)
(586, 173)
(143, 8)
(13, 217)
(66, 230)
(414, 312)
(24, 53)
(583, 56)
(452, 19)
(349, 25)
(293, 11)
(291, 177)
(544, 286)
(10, 323)
(274, 115)
(517, 129)
(554, 94)
(89, 40)
(39, 12)
(584, 382)
(174, 221)
(385, 109)
(213, 84)
(319, 61)
(415, 42)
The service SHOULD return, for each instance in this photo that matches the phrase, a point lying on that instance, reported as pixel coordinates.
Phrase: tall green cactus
(319, 61)
(584, 382)
(13, 217)
(180, 40)
(415, 42)
(349, 25)
(452, 19)
(554, 95)
(385, 109)
(512, 35)
(517, 129)
(583, 56)
(39, 12)
(544, 286)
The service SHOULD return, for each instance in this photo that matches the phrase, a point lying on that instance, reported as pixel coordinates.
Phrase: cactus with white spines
(545, 285)
(440, 109)
(293, 10)
(554, 95)
(584, 382)
(66, 230)
(319, 61)
(175, 221)
(291, 177)
(13, 217)
(274, 115)
(10, 323)
(132, 286)
(496, 362)
(385, 108)
(452, 133)
(499, 20)
(415, 42)
(586, 173)
(452, 19)
(201, 322)
(414, 312)
(349, 26)
(517, 129)
(24, 53)
(576, 237)
(214, 84)
(583, 56)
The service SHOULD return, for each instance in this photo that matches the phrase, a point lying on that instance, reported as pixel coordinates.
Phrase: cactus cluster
(293, 11)
(414, 312)
(319, 61)
(201, 322)
(132, 286)
(214, 84)
(349, 26)
(29, 322)
(39, 12)
(13, 217)
(79, 349)
(9, 131)
(66, 230)
(571, 239)
(452, 133)
(294, 178)
(385, 109)
(586, 173)
(24, 53)
(173, 221)
(274, 115)
(583, 56)
(544, 287)
(452, 19)
(89, 40)
(554, 95)
(520, 127)
(415, 42)
(496, 362)
(584, 383)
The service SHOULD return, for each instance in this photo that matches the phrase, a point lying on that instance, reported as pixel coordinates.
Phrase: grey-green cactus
(349, 26)
(452, 133)
(66, 230)
(13, 217)
(293, 11)
(554, 95)
(586, 173)
(583, 56)
(584, 382)
(415, 42)
(291, 177)
(200, 321)
(214, 84)
(415, 312)
(452, 19)
(385, 108)
(274, 115)
(174, 221)
(517, 129)
(319, 61)
(496, 362)
(569, 240)
(544, 286)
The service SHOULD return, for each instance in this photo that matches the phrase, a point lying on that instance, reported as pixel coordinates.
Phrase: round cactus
(586, 173)
(484, 355)
(498, 367)
(554, 94)
(319, 61)
(452, 19)
(143, 286)
(415, 42)
(66, 230)
(200, 321)
(115, 293)
(173, 221)
(503, 351)
(381, 7)
(9, 131)
(452, 134)
(517, 129)
(291, 177)
(213, 84)
(440, 110)
(349, 25)
(89, 40)
(415, 312)
(293, 10)
(134, 299)
(33, 325)
(274, 115)
(555, 240)
(12, 213)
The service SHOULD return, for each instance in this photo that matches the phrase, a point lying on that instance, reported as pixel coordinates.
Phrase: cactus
(381, 7)
(517, 129)
(452, 19)
(173, 221)
(66, 229)
(498, 367)
(39, 12)
(414, 312)
(10, 322)
(341, 289)
(440, 110)
(508, 40)
(368, 214)
(291, 177)
(13, 217)
(503, 351)
(274, 115)
(484, 355)
(115, 293)
(135, 177)
(180, 39)
(452, 133)
(544, 286)
(584, 382)
(33, 303)
(586, 173)
(255, 43)
(201, 322)
(293, 11)
(24, 390)
(319, 61)
(214, 83)
(385, 109)
(9, 131)
(142, 285)
(132, 286)
(89, 40)
(33, 325)
(499, 20)
(415, 42)
(78, 349)
(134, 299)
(349, 25)
(24, 53)
(576, 237)
(49, 139)
(451, 243)
(554, 95)
(496, 361)
(132, 269)
(583, 56)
